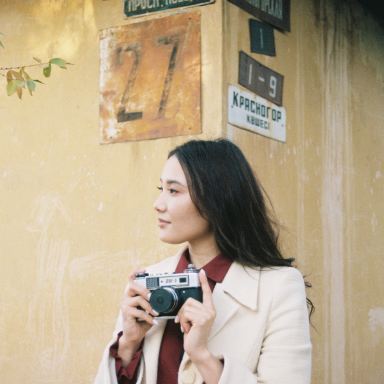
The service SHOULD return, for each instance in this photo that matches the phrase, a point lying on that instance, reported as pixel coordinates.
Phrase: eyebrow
(168, 182)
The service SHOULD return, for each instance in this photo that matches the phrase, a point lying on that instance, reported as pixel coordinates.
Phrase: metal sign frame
(260, 79)
(256, 114)
(262, 38)
(143, 7)
(275, 12)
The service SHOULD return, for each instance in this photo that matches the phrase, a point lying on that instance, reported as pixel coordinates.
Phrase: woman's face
(178, 218)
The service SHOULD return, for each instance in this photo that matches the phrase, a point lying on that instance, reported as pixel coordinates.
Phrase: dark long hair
(228, 195)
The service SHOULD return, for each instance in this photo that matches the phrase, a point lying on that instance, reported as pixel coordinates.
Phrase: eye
(172, 191)
(160, 188)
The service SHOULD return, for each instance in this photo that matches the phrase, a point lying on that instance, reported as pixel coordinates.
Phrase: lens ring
(164, 300)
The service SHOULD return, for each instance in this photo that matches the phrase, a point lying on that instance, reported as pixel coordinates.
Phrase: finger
(185, 326)
(184, 323)
(133, 281)
(197, 316)
(190, 317)
(135, 289)
(185, 317)
(132, 276)
(191, 302)
(207, 293)
(140, 316)
(140, 303)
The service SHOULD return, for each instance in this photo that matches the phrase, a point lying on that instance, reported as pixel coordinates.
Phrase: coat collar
(242, 284)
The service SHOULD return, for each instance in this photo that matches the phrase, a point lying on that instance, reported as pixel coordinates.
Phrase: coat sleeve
(106, 373)
(285, 356)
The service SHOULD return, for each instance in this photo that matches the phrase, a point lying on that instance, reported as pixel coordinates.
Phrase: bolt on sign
(150, 79)
(141, 7)
(275, 12)
(256, 114)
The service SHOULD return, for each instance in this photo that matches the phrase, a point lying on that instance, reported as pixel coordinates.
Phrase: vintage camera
(169, 291)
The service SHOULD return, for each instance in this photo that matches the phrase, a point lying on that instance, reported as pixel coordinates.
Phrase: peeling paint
(374, 222)
(48, 322)
(336, 156)
(376, 319)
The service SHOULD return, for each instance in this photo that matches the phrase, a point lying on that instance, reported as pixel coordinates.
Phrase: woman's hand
(137, 319)
(196, 320)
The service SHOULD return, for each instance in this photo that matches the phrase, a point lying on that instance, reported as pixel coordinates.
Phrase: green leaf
(20, 74)
(9, 75)
(13, 86)
(31, 85)
(47, 71)
(60, 62)
(26, 75)
(19, 91)
(1, 45)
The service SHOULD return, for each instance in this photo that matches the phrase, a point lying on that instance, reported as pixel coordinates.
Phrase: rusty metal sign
(275, 12)
(150, 79)
(142, 7)
(260, 79)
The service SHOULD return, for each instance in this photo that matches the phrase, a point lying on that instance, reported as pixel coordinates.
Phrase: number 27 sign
(150, 79)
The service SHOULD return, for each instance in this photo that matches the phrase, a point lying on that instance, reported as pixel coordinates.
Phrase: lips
(162, 221)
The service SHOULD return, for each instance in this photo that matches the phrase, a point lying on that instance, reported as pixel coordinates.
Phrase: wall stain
(48, 323)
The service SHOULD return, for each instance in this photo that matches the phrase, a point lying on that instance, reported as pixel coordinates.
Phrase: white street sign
(256, 114)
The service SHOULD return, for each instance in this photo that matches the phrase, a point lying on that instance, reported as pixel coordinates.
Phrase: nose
(159, 204)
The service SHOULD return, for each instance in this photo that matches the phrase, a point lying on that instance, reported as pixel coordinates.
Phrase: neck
(202, 251)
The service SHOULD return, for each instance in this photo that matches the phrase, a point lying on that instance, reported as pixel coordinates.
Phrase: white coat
(261, 330)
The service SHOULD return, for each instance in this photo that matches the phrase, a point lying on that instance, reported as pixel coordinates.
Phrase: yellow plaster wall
(76, 216)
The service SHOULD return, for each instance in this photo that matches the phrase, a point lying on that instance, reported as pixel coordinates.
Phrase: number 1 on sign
(261, 39)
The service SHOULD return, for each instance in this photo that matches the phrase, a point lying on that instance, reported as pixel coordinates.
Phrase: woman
(252, 325)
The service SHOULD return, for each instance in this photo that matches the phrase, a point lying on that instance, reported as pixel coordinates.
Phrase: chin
(171, 240)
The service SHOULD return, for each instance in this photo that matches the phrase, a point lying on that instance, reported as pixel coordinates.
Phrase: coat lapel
(151, 348)
(239, 287)
(225, 308)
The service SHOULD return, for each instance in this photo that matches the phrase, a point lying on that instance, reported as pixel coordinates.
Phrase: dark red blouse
(171, 349)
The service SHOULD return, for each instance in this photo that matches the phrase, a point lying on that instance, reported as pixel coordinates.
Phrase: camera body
(169, 291)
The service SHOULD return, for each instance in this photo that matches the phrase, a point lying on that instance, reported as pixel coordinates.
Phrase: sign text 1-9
(260, 79)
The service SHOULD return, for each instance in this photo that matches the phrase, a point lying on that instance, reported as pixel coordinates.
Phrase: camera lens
(163, 300)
